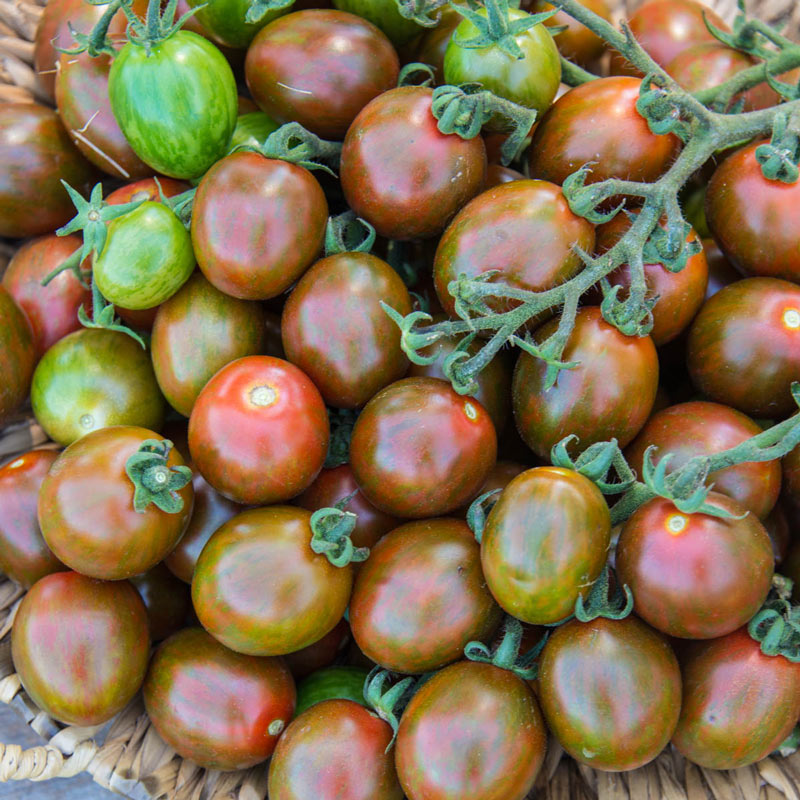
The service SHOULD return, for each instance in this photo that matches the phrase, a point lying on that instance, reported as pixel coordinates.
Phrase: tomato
(700, 429)
(198, 331)
(754, 220)
(431, 45)
(245, 584)
(223, 710)
(332, 683)
(777, 526)
(336, 749)
(259, 431)
(524, 229)
(610, 691)
(386, 16)
(546, 541)
(400, 173)
(598, 122)
(17, 355)
(430, 569)
(744, 346)
(225, 21)
(257, 225)
(577, 42)
(146, 189)
(52, 310)
(80, 646)
(321, 653)
(496, 174)
(334, 328)
(167, 600)
(37, 155)
(791, 474)
(24, 556)
(176, 104)
(720, 271)
(695, 576)
(86, 508)
(609, 395)
(320, 67)
(253, 128)
(680, 294)
(501, 474)
(472, 732)
(531, 81)
(334, 485)
(76, 391)
(83, 105)
(738, 704)
(420, 450)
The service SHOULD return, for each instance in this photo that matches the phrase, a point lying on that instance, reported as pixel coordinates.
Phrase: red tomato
(17, 355)
(146, 189)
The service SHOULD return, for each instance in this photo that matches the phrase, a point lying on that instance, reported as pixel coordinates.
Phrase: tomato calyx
(154, 480)
(506, 654)
(388, 704)
(347, 233)
(478, 512)
(779, 158)
(776, 627)
(599, 604)
(416, 74)
(331, 529)
(420, 11)
(260, 8)
(596, 463)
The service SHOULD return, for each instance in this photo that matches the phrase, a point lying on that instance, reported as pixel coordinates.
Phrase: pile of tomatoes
(202, 374)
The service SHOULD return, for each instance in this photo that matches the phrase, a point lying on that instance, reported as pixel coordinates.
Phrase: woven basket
(127, 755)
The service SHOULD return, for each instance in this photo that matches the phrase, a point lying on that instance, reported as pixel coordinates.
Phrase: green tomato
(147, 257)
(383, 14)
(253, 128)
(225, 20)
(531, 81)
(331, 683)
(176, 106)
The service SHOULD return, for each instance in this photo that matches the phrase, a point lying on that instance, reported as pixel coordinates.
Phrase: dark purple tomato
(420, 450)
(17, 355)
(86, 508)
(334, 329)
(24, 556)
(335, 749)
(546, 541)
(610, 691)
(146, 189)
(472, 732)
(577, 42)
(198, 331)
(257, 224)
(791, 475)
(700, 429)
(738, 704)
(496, 175)
(422, 571)
(223, 710)
(744, 346)
(80, 646)
(37, 155)
(167, 600)
(400, 173)
(320, 67)
(695, 576)
(608, 395)
(260, 589)
(720, 271)
(319, 654)
(524, 229)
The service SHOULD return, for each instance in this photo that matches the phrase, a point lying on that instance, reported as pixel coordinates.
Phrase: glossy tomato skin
(695, 576)
(424, 570)
(610, 691)
(245, 584)
(420, 450)
(253, 128)
(17, 355)
(52, 310)
(472, 732)
(320, 67)
(738, 704)
(86, 508)
(400, 173)
(524, 229)
(430, 47)
(146, 189)
(319, 654)
(37, 154)
(214, 706)
(334, 485)
(744, 346)
(259, 431)
(497, 174)
(334, 328)
(577, 42)
(257, 225)
(335, 749)
(598, 122)
(198, 331)
(24, 556)
(700, 428)
(754, 220)
(184, 77)
(385, 15)
(609, 395)
(791, 475)
(546, 541)
(75, 391)
(80, 646)
(224, 21)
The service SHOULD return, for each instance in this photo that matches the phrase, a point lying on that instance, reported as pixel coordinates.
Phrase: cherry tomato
(253, 129)
(501, 474)
(577, 42)
(387, 17)
(791, 474)
(224, 22)
(146, 189)
(319, 654)
(720, 271)
(497, 174)
(167, 600)
(430, 47)
(17, 355)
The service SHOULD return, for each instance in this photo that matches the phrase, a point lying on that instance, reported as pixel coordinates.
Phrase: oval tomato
(577, 42)
(224, 21)
(17, 355)
(167, 600)
(146, 189)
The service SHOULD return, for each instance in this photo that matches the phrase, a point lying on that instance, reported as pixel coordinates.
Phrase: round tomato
(167, 600)
(420, 450)
(386, 16)
(245, 585)
(695, 576)
(225, 21)
(259, 431)
(400, 173)
(223, 710)
(319, 654)
(146, 189)
(17, 355)
(577, 42)
(332, 683)
(80, 646)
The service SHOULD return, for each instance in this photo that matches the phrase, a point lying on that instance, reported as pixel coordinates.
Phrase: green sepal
(331, 529)
(596, 463)
(416, 68)
(776, 627)
(388, 704)
(631, 316)
(420, 11)
(260, 8)
(293, 143)
(347, 233)
(599, 604)
(104, 317)
(506, 654)
(154, 481)
(478, 512)
(412, 340)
